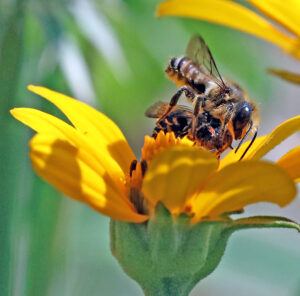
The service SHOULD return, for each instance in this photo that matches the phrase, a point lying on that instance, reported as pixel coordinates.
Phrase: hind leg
(174, 100)
(199, 105)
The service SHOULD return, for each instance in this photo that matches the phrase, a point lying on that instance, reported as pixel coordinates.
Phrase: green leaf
(10, 60)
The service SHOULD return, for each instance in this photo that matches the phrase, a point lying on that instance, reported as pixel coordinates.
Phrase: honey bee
(179, 121)
(200, 80)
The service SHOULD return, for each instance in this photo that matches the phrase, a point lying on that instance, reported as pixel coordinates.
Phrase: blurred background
(111, 54)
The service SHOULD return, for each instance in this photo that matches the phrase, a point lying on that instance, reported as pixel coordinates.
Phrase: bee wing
(159, 108)
(198, 51)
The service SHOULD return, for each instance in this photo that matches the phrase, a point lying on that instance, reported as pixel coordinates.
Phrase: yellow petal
(290, 162)
(175, 174)
(93, 124)
(279, 134)
(232, 157)
(241, 184)
(286, 13)
(42, 122)
(286, 75)
(229, 14)
(69, 169)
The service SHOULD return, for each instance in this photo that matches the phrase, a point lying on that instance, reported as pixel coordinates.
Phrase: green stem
(168, 286)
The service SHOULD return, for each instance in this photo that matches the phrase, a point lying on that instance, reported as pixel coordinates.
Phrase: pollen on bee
(212, 131)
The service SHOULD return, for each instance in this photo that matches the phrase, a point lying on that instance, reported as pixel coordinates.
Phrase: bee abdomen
(176, 122)
(184, 71)
(176, 64)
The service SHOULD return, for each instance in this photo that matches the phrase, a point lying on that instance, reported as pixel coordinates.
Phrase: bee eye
(241, 118)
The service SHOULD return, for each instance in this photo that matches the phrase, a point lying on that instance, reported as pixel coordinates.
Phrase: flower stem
(168, 286)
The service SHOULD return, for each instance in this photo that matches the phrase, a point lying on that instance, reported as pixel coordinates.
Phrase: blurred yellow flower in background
(91, 161)
(277, 21)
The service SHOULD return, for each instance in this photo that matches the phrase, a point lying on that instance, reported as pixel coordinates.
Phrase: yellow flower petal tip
(47, 93)
(13, 111)
(21, 114)
(38, 89)
(279, 134)
(286, 75)
(31, 87)
(290, 162)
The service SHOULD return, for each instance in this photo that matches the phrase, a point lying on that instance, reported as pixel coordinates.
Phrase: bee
(179, 121)
(199, 79)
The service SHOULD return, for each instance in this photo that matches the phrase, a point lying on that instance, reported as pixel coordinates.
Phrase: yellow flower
(278, 21)
(91, 161)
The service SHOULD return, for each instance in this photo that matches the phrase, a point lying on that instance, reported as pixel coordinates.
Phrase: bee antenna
(246, 135)
(252, 141)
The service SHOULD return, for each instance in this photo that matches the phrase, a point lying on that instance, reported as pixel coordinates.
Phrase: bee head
(241, 118)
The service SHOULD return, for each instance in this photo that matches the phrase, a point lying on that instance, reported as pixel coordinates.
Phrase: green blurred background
(111, 54)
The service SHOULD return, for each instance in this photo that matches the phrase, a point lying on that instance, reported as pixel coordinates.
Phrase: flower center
(154, 146)
(134, 180)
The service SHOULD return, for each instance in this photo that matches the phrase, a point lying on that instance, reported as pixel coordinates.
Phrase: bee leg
(174, 100)
(228, 115)
(194, 119)
(189, 93)
(200, 103)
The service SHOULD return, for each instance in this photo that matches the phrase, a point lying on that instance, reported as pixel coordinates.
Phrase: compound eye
(242, 118)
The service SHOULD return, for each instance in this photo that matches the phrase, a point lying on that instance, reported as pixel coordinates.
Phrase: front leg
(174, 100)
(228, 116)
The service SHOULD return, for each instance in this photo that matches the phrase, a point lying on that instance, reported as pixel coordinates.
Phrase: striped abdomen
(178, 122)
(183, 71)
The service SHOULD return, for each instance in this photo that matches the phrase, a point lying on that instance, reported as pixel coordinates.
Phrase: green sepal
(263, 222)
(167, 255)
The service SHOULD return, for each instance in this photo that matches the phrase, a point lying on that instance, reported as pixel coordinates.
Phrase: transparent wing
(198, 51)
(159, 108)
